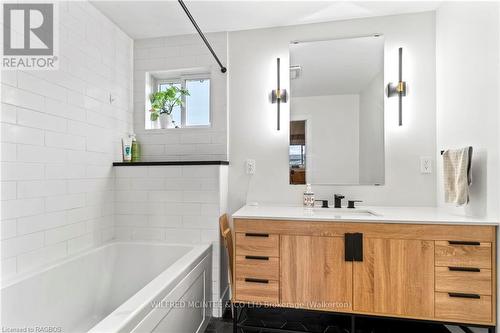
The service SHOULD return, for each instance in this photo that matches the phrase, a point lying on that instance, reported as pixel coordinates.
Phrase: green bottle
(136, 152)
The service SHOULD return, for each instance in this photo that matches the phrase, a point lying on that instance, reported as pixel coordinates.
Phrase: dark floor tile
(219, 325)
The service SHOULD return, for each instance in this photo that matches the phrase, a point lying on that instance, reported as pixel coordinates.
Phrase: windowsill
(180, 129)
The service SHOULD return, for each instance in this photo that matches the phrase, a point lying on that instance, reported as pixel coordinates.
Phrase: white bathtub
(115, 288)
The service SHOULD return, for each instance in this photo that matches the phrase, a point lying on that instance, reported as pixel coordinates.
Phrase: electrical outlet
(250, 167)
(425, 164)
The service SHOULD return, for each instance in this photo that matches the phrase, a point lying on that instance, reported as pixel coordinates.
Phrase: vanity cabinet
(444, 273)
(257, 277)
(465, 280)
(396, 277)
(314, 273)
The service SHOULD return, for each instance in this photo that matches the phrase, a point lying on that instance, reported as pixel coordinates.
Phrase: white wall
(60, 136)
(174, 53)
(468, 107)
(468, 52)
(332, 143)
(252, 75)
(176, 204)
(371, 132)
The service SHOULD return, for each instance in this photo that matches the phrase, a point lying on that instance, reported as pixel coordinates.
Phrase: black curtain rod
(222, 68)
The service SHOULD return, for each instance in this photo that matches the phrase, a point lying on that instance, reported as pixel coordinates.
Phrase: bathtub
(118, 287)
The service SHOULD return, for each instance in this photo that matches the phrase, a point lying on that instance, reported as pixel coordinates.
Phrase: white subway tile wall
(173, 53)
(59, 137)
(175, 204)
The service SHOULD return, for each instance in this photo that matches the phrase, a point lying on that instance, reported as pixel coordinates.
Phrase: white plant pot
(166, 121)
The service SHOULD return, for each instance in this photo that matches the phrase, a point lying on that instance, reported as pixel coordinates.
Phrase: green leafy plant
(165, 101)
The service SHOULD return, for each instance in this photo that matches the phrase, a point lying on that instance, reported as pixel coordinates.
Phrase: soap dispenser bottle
(308, 197)
(136, 153)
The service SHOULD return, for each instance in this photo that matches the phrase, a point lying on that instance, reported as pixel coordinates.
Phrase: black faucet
(351, 203)
(338, 200)
(324, 203)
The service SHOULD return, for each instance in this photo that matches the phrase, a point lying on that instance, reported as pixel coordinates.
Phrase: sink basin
(343, 212)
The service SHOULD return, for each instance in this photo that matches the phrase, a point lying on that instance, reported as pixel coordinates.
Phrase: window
(297, 155)
(198, 102)
(195, 111)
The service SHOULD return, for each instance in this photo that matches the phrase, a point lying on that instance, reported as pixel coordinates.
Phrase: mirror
(337, 111)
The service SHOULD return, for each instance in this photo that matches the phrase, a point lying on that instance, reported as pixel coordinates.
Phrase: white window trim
(182, 80)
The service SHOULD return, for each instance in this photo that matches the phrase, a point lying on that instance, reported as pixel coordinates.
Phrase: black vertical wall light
(398, 89)
(278, 95)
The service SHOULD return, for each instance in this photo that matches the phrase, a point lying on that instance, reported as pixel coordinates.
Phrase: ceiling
(147, 19)
(336, 67)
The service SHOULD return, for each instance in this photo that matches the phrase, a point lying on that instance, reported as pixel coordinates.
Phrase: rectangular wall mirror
(337, 111)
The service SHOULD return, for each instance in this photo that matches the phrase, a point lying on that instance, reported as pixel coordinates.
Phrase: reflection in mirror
(337, 111)
(297, 152)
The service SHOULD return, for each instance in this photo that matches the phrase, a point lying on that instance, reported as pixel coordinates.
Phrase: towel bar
(470, 150)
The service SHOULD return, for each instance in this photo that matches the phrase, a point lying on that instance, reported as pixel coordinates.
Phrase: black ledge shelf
(171, 163)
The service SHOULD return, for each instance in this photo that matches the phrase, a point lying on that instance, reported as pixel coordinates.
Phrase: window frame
(182, 81)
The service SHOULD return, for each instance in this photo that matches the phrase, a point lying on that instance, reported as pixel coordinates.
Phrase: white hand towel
(457, 175)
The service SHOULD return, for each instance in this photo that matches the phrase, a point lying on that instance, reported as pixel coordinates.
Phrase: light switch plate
(425, 164)
(250, 167)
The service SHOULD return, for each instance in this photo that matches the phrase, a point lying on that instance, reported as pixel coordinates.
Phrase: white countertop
(360, 214)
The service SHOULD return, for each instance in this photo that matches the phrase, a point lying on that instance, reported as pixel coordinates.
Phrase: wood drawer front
(466, 310)
(248, 291)
(473, 282)
(257, 244)
(257, 267)
(449, 254)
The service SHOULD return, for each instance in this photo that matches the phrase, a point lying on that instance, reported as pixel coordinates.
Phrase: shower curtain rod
(222, 68)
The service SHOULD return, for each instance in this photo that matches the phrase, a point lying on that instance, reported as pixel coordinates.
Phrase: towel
(457, 175)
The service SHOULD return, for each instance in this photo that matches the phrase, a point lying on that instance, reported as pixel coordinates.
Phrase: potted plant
(163, 103)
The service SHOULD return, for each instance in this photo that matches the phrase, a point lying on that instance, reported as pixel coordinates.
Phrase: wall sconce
(278, 95)
(398, 89)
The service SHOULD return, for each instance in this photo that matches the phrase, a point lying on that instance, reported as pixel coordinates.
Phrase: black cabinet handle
(353, 246)
(464, 269)
(257, 257)
(460, 295)
(463, 243)
(256, 280)
(252, 234)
